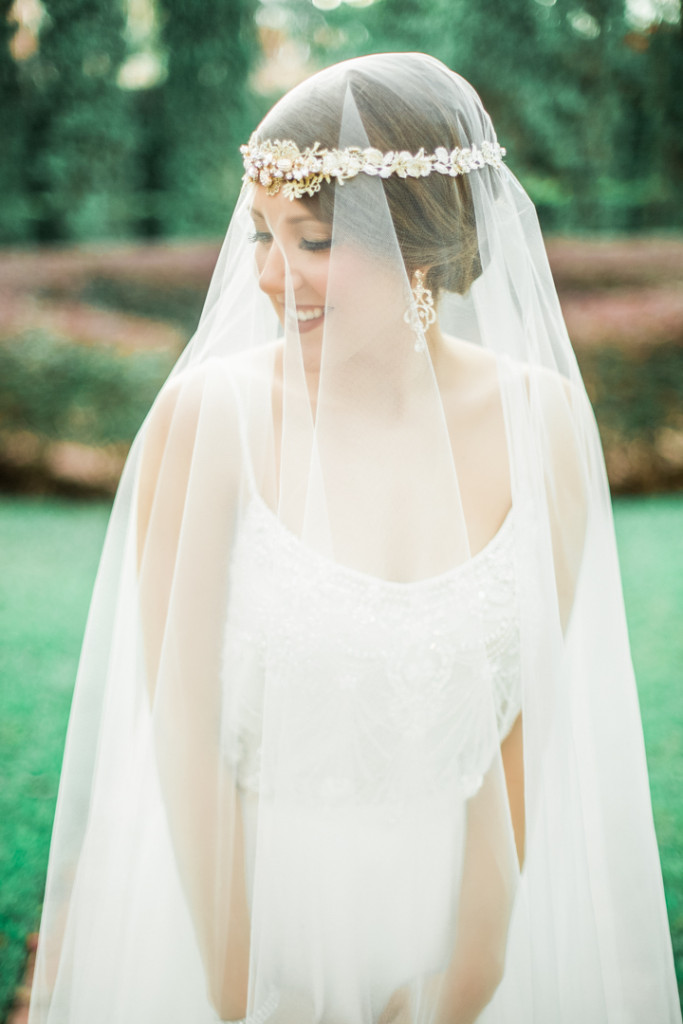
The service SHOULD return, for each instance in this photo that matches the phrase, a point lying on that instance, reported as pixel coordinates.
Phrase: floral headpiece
(281, 164)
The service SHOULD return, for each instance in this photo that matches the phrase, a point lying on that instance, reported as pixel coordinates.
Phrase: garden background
(120, 122)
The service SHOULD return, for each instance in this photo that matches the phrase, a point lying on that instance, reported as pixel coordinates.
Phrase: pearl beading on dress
(373, 692)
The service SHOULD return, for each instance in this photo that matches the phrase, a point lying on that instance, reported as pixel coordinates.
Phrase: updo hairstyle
(433, 216)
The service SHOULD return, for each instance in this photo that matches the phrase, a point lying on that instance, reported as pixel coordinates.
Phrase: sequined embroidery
(366, 690)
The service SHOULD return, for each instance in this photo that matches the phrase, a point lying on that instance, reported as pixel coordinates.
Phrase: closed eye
(321, 246)
(265, 238)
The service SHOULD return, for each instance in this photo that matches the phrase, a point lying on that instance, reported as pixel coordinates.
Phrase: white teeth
(309, 314)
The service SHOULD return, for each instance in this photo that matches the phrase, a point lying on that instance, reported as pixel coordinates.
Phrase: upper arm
(560, 419)
(187, 497)
(512, 754)
(561, 416)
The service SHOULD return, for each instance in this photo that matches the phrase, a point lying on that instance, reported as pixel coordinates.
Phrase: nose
(274, 271)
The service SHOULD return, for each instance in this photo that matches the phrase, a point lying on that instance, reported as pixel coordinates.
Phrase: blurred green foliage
(84, 157)
(589, 105)
(181, 306)
(58, 390)
(588, 102)
(635, 393)
(204, 113)
(71, 128)
(14, 208)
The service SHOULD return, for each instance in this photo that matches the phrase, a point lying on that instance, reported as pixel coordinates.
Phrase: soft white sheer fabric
(355, 736)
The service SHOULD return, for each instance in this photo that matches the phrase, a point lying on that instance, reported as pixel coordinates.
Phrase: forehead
(279, 209)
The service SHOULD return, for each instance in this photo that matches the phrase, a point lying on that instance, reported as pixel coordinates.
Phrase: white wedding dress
(360, 704)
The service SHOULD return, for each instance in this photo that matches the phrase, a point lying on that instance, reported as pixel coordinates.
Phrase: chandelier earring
(420, 313)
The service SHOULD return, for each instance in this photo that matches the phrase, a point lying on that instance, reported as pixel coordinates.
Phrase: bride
(355, 737)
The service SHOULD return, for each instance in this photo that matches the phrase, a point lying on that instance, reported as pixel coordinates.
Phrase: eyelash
(321, 246)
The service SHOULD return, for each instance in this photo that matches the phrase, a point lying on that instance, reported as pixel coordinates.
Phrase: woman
(355, 736)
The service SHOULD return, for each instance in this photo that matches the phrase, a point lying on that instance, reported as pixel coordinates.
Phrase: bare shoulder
(213, 386)
(198, 423)
(551, 389)
(467, 370)
(469, 383)
(561, 419)
(559, 405)
(470, 390)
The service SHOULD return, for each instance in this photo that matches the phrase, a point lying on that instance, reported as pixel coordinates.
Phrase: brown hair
(433, 216)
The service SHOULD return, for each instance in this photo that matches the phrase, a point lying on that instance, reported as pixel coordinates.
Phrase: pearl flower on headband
(281, 164)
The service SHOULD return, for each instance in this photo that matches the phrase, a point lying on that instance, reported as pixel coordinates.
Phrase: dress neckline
(448, 575)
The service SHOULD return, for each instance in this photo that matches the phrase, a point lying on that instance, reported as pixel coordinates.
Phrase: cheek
(359, 283)
(317, 274)
(347, 281)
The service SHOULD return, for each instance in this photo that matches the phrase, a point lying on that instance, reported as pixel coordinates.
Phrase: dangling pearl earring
(420, 313)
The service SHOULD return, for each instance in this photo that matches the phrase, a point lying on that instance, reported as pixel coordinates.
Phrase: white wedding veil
(355, 736)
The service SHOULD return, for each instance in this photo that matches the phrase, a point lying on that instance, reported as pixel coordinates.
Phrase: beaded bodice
(342, 687)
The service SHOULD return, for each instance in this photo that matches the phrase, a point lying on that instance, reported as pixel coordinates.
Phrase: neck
(435, 341)
(371, 359)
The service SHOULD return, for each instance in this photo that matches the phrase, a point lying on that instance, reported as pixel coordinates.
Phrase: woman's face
(291, 242)
(354, 304)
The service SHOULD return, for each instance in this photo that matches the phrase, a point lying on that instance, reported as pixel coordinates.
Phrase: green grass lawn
(650, 537)
(48, 557)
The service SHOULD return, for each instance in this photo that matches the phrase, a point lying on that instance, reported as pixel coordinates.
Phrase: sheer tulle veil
(349, 560)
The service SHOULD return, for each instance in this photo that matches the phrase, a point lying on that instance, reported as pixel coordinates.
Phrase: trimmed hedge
(77, 371)
(598, 264)
(637, 394)
(95, 396)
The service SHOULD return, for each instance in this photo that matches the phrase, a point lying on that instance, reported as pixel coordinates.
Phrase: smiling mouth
(314, 313)
(309, 318)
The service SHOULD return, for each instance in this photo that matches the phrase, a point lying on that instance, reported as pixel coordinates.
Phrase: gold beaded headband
(281, 164)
